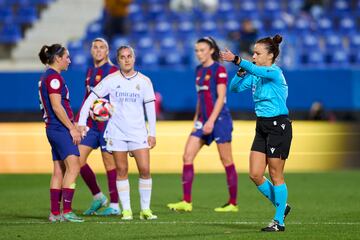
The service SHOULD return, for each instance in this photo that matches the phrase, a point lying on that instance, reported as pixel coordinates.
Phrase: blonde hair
(99, 39)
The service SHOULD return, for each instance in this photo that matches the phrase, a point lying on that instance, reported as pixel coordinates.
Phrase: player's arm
(241, 83)
(55, 100)
(219, 103)
(151, 118)
(101, 90)
(149, 103)
(260, 71)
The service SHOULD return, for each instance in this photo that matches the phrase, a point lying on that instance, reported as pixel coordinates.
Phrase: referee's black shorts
(273, 136)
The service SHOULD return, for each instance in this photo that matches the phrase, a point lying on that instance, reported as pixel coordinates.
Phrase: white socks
(98, 196)
(123, 188)
(145, 186)
(114, 206)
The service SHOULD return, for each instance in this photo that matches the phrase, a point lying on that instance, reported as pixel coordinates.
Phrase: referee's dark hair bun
(277, 39)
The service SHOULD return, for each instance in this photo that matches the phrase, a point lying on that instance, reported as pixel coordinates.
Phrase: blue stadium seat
(225, 8)
(313, 59)
(162, 28)
(154, 10)
(172, 58)
(294, 6)
(26, 15)
(302, 25)
(75, 47)
(339, 58)
(186, 27)
(168, 43)
(40, 2)
(324, 24)
(80, 60)
(145, 43)
(347, 24)
(6, 14)
(209, 28)
(10, 34)
(341, 7)
(354, 41)
(333, 41)
(94, 30)
(248, 7)
(278, 25)
(272, 7)
(231, 26)
(310, 42)
(139, 29)
(119, 41)
(148, 59)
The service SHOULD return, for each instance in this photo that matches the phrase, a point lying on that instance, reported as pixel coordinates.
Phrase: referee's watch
(236, 59)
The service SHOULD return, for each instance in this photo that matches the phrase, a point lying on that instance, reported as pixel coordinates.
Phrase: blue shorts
(94, 139)
(61, 143)
(221, 133)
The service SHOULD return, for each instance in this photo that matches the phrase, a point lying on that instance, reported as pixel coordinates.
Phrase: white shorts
(125, 146)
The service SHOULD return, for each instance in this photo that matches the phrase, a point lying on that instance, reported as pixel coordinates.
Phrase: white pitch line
(191, 222)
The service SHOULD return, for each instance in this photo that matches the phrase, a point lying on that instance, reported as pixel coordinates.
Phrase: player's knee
(144, 172)
(57, 173)
(256, 177)
(122, 171)
(188, 158)
(277, 179)
(109, 164)
(145, 175)
(226, 160)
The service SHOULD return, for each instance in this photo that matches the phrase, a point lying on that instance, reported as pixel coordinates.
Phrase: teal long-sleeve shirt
(268, 85)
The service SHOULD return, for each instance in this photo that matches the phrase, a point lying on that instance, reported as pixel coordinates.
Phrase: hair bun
(277, 39)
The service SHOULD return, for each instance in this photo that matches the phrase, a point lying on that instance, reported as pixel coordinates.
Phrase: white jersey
(128, 96)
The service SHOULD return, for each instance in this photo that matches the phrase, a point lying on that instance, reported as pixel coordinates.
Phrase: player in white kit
(131, 94)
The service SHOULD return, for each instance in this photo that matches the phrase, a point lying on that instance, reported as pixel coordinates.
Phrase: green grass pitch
(325, 206)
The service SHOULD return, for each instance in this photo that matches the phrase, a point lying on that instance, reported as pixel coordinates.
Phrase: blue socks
(278, 196)
(267, 189)
(281, 194)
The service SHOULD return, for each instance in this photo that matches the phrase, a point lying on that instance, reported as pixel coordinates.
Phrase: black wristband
(240, 72)
(236, 59)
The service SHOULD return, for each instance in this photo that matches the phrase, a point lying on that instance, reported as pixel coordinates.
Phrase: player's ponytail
(272, 45)
(212, 43)
(47, 53)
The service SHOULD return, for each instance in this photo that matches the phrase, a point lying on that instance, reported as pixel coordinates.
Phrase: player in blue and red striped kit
(212, 121)
(61, 131)
(94, 138)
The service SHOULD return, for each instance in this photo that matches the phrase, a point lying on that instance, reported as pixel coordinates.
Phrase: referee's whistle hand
(227, 55)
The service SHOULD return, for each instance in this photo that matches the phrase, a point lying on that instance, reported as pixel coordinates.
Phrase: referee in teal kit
(273, 136)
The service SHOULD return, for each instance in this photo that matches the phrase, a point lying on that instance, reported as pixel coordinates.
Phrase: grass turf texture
(325, 206)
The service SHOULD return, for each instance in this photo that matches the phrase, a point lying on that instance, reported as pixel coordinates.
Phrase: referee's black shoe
(287, 210)
(274, 226)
